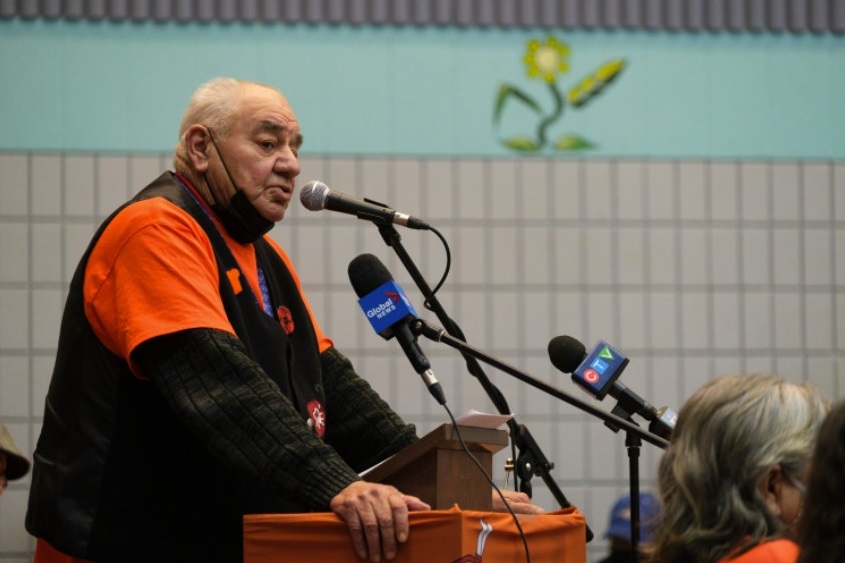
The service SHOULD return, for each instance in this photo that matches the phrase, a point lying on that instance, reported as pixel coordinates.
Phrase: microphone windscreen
(566, 353)
(313, 195)
(367, 273)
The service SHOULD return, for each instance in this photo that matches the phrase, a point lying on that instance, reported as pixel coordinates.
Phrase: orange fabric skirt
(442, 536)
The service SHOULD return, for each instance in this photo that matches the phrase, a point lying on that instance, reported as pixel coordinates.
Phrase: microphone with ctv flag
(315, 195)
(390, 313)
(598, 372)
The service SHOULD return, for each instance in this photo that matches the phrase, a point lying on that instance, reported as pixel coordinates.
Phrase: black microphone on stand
(598, 372)
(390, 313)
(315, 195)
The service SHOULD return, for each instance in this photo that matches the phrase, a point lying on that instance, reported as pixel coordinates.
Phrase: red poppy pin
(316, 417)
(285, 319)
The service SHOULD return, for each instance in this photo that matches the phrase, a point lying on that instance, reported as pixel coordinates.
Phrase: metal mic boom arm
(439, 335)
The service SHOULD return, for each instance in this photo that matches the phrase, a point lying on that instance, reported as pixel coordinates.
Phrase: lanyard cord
(262, 280)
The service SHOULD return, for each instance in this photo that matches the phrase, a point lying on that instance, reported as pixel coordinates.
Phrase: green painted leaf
(573, 143)
(578, 95)
(507, 91)
(592, 84)
(610, 69)
(521, 143)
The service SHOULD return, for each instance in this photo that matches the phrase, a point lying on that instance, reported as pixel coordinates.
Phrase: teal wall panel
(425, 91)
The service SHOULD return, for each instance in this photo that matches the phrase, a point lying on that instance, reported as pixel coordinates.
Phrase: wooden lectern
(438, 470)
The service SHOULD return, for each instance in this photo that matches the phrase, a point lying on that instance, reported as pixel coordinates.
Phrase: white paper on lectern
(478, 419)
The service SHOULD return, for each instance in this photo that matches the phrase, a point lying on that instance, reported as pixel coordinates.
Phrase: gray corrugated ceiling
(735, 16)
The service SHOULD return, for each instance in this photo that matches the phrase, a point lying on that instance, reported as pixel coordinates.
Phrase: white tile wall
(694, 268)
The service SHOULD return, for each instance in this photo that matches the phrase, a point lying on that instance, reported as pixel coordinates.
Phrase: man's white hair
(214, 104)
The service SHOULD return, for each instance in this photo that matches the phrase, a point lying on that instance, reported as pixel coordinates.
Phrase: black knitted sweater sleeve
(360, 425)
(235, 409)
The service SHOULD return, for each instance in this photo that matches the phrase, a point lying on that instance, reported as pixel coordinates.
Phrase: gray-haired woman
(731, 480)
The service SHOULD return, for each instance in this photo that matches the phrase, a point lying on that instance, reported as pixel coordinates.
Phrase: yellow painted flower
(546, 59)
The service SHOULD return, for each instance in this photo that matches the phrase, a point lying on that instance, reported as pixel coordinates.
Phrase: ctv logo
(591, 376)
(599, 364)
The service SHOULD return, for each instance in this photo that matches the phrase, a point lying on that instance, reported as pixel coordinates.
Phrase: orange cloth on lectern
(437, 536)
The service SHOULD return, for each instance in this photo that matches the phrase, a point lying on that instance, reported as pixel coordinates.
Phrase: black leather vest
(108, 438)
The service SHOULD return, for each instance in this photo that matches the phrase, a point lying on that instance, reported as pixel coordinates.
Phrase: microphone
(597, 374)
(315, 195)
(390, 313)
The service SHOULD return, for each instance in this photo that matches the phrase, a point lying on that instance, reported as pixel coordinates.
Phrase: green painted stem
(551, 118)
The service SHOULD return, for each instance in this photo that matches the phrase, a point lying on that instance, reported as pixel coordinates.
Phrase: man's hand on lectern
(519, 502)
(377, 517)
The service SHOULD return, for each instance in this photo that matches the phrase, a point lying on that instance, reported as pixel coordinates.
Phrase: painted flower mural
(545, 60)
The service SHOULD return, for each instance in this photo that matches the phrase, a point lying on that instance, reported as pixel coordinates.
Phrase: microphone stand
(632, 443)
(531, 460)
(662, 423)
(613, 420)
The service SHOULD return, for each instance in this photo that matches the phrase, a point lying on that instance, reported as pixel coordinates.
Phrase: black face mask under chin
(241, 220)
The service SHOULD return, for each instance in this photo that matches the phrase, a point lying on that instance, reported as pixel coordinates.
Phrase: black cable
(427, 303)
(490, 480)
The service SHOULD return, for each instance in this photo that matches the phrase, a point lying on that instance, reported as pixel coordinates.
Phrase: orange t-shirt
(775, 551)
(153, 272)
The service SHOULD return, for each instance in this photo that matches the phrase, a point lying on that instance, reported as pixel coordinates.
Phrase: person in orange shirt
(731, 479)
(192, 383)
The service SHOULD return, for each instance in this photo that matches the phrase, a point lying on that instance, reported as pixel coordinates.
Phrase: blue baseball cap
(620, 517)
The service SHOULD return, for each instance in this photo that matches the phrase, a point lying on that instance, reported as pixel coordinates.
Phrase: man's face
(261, 151)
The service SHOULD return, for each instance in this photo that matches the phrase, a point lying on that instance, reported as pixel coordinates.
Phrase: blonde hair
(729, 434)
